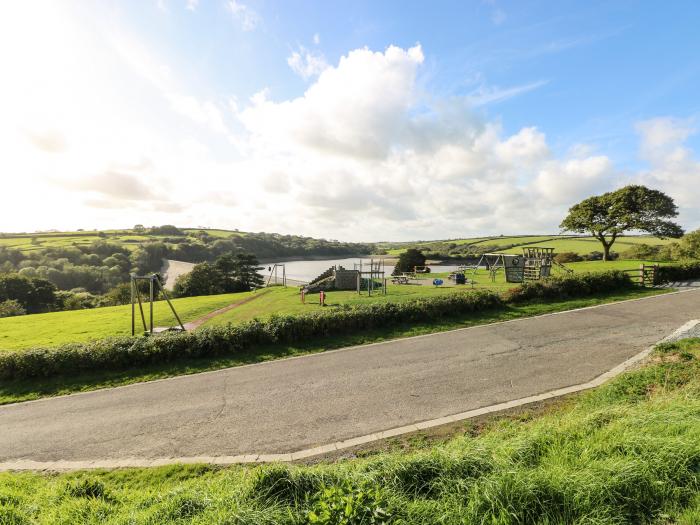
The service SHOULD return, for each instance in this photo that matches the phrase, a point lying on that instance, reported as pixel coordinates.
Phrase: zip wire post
(133, 308)
(150, 305)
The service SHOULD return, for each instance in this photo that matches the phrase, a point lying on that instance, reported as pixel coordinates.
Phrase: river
(305, 271)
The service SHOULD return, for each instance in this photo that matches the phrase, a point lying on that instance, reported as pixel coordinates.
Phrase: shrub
(10, 308)
(679, 272)
(579, 285)
(598, 256)
(567, 257)
(641, 252)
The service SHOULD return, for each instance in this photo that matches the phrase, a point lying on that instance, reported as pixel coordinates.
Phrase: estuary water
(305, 271)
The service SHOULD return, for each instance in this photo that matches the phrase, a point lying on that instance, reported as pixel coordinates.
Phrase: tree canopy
(632, 208)
(229, 273)
(408, 261)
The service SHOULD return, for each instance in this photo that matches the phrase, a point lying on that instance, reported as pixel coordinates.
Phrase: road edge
(23, 465)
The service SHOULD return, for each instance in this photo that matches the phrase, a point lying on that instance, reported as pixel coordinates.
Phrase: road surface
(293, 404)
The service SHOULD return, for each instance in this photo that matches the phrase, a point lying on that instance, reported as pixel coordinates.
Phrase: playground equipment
(364, 276)
(368, 273)
(273, 271)
(153, 281)
(534, 264)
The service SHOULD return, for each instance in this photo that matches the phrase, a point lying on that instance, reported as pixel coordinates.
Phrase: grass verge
(24, 390)
(625, 453)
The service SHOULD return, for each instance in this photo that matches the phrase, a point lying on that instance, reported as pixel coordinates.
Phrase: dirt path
(199, 322)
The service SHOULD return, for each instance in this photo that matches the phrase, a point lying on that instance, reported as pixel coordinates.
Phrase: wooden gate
(645, 275)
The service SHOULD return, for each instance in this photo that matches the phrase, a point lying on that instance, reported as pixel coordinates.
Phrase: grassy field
(82, 325)
(288, 301)
(561, 243)
(625, 453)
(28, 242)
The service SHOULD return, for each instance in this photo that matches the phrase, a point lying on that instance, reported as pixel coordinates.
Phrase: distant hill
(475, 246)
(192, 243)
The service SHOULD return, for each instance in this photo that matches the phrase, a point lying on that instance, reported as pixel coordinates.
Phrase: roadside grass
(54, 328)
(22, 390)
(625, 453)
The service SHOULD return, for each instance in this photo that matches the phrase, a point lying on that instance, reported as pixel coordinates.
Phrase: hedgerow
(570, 286)
(678, 272)
(123, 352)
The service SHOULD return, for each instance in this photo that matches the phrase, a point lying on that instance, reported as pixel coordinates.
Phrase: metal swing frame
(154, 281)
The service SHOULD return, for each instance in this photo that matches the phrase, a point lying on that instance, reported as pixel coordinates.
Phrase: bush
(567, 257)
(10, 308)
(678, 272)
(570, 286)
(124, 352)
(598, 256)
(642, 252)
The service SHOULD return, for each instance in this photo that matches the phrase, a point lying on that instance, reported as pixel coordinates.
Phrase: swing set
(153, 282)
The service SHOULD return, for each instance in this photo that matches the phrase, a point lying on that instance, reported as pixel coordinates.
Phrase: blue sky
(426, 119)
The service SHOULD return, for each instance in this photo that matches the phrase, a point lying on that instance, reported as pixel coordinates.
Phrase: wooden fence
(645, 275)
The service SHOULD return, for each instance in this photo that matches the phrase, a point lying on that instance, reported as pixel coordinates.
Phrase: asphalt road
(288, 405)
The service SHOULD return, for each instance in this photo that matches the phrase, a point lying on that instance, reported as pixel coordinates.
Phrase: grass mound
(625, 453)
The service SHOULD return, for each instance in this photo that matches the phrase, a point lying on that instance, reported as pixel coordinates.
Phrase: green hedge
(570, 286)
(678, 272)
(125, 352)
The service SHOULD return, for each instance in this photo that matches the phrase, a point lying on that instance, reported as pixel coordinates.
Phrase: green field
(55, 328)
(625, 453)
(562, 243)
(42, 241)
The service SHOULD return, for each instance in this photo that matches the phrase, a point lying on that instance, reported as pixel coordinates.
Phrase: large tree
(408, 261)
(632, 208)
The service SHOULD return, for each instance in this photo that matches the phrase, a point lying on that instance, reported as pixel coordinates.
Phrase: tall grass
(626, 453)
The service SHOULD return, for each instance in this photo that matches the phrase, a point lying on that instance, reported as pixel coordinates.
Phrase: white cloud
(192, 5)
(248, 18)
(364, 144)
(365, 153)
(672, 166)
(307, 63)
(356, 108)
(205, 113)
(317, 38)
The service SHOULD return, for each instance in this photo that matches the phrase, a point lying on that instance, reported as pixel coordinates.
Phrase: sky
(357, 120)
